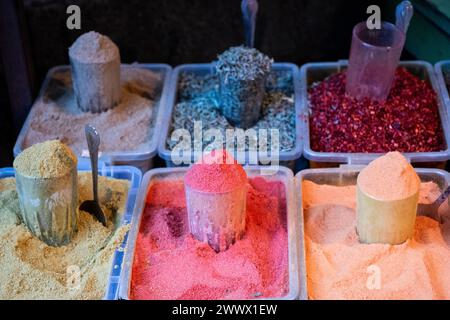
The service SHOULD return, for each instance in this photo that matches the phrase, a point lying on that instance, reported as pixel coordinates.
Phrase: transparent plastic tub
(440, 68)
(140, 159)
(287, 158)
(347, 176)
(297, 278)
(313, 72)
(131, 174)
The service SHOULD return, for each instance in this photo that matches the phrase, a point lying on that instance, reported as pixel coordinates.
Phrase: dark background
(179, 31)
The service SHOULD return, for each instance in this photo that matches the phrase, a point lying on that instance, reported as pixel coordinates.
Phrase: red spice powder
(407, 122)
(170, 264)
(218, 171)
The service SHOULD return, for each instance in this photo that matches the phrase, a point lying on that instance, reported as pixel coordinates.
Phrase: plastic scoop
(249, 10)
(93, 206)
(375, 54)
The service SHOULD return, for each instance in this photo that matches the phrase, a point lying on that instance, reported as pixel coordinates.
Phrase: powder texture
(93, 47)
(390, 177)
(216, 172)
(32, 270)
(127, 127)
(170, 264)
(339, 267)
(49, 159)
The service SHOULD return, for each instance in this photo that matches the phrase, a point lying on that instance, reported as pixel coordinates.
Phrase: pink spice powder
(217, 172)
(170, 264)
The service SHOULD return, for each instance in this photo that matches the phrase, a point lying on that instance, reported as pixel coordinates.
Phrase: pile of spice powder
(340, 267)
(170, 264)
(30, 269)
(48, 159)
(198, 101)
(407, 122)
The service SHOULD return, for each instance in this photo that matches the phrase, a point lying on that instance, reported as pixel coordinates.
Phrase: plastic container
(440, 67)
(347, 176)
(119, 172)
(297, 279)
(140, 159)
(287, 158)
(313, 72)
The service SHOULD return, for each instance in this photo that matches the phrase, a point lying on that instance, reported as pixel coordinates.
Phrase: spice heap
(49, 159)
(407, 122)
(216, 189)
(198, 100)
(95, 64)
(127, 127)
(388, 191)
(32, 270)
(170, 263)
(340, 267)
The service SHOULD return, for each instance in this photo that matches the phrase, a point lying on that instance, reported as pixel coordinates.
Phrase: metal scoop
(249, 10)
(432, 210)
(93, 206)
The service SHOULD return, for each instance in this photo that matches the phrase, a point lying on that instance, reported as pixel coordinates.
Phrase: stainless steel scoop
(432, 210)
(93, 206)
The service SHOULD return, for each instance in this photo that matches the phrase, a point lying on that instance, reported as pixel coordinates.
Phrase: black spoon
(93, 206)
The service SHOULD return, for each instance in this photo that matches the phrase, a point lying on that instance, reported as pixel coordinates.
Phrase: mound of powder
(218, 171)
(170, 264)
(390, 177)
(339, 267)
(93, 47)
(30, 269)
(48, 159)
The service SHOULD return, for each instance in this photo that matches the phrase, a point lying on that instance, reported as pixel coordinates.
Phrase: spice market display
(309, 181)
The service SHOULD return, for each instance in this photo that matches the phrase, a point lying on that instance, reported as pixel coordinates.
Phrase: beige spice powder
(29, 269)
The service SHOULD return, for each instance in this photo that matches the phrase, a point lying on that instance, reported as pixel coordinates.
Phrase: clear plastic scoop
(249, 9)
(375, 54)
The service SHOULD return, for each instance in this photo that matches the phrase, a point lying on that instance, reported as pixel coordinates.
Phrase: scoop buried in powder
(216, 189)
(46, 178)
(387, 197)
